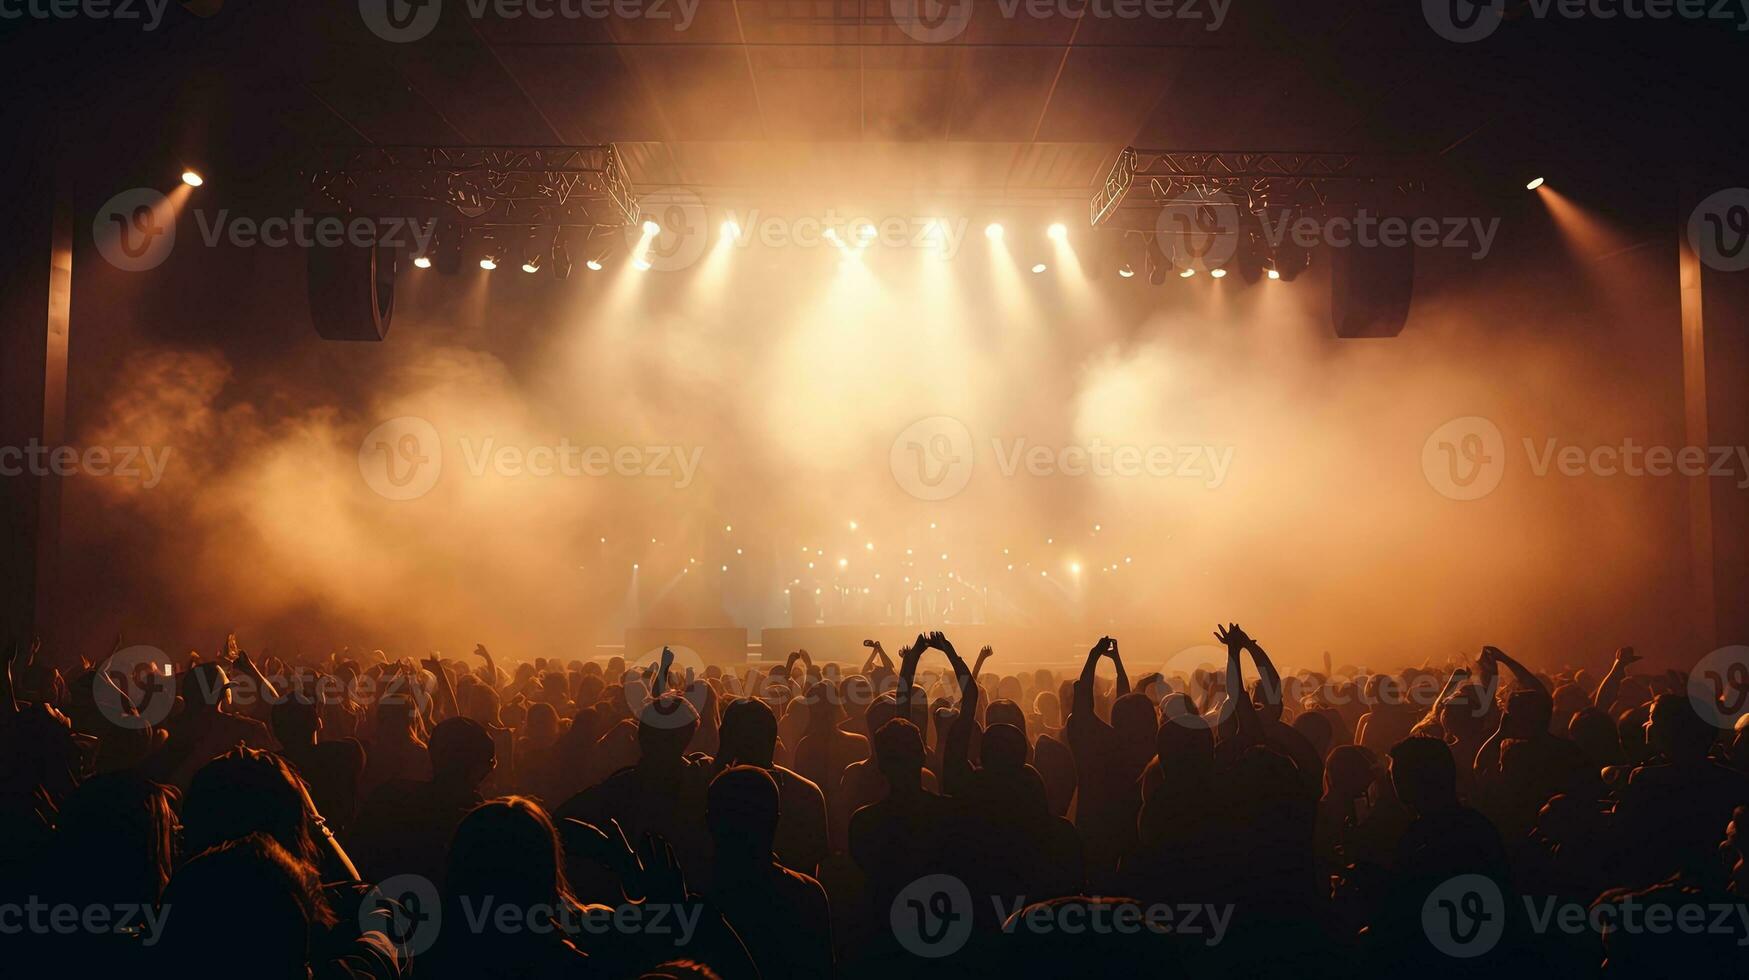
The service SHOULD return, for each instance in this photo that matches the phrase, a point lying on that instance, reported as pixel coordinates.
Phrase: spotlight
(1125, 271)
(1038, 268)
(488, 263)
(1274, 273)
(532, 264)
(641, 264)
(192, 179)
(1218, 273)
(1533, 185)
(865, 233)
(1186, 273)
(593, 265)
(421, 261)
(831, 235)
(1057, 232)
(731, 230)
(993, 231)
(651, 228)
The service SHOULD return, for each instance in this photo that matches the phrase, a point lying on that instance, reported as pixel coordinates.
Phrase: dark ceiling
(762, 96)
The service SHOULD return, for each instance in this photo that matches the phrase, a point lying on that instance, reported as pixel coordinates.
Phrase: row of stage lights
(1276, 265)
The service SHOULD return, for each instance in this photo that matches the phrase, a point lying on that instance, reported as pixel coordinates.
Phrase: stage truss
(481, 187)
(1143, 181)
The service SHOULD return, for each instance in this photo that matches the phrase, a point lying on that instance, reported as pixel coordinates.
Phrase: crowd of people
(366, 816)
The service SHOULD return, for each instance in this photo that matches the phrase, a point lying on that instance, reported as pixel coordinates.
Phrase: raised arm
(1610, 686)
(1123, 678)
(956, 767)
(1269, 681)
(908, 658)
(1244, 713)
(1520, 673)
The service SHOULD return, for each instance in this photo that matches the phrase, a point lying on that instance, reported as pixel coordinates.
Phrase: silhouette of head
(665, 726)
(898, 748)
(1593, 731)
(1349, 771)
(1424, 774)
(243, 792)
(1675, 729)
(1317, 730)
(1530, 713)
(884, 709)
(507, 849)
(1003, 711)
(1185, 744)
(296, 723)
(749, 733)
(1134, 719)
(462, 754)
(741, 810)
(824, 711)
(1003, 748)
(116, 835)
(279, 897)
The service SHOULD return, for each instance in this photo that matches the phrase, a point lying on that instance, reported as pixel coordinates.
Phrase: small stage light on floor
(192, 178)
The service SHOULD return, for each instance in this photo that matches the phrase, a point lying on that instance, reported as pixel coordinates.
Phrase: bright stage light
(731, 230)
(1187, 273)
(1275, 274)
(993, 232)
(1219, 273)
(422, 262)
(641, 264)
(488, 263)
(1126, 272)
(192, 179)
(593, 265)
(1057, 231)
(1533, 185)
(865, 233)
(532, 266)
(1040, 267)
(651, 228)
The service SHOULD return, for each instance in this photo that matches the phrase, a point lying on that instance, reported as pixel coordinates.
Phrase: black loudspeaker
(1370, 289)
(351, 290)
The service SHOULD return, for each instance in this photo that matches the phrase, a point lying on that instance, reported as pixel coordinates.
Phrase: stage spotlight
(1275, 273)
(831, 235)
(192, 179)
(641, 264)
(593, 265)
(422, 261)
(1057, 232)
(731, 230)
(1186, 273)
(1534, 184)
(651, 228)
(1125, 271)
(1038, 268)
(993, 232)
(532, 264)
(1218, 273)
(489, 263)
(865, 233)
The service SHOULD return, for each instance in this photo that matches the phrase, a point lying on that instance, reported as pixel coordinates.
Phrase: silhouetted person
(782, 916)
(405, 827)
(748, 737)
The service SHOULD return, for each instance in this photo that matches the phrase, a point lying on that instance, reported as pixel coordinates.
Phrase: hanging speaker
(1370, 289)
(352, 291)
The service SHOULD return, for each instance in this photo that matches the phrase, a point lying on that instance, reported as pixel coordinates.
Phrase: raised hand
(1232, 637)
(985, 653)
(607, 848)
(481, 652)
(1626, 657)
(659, 876)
